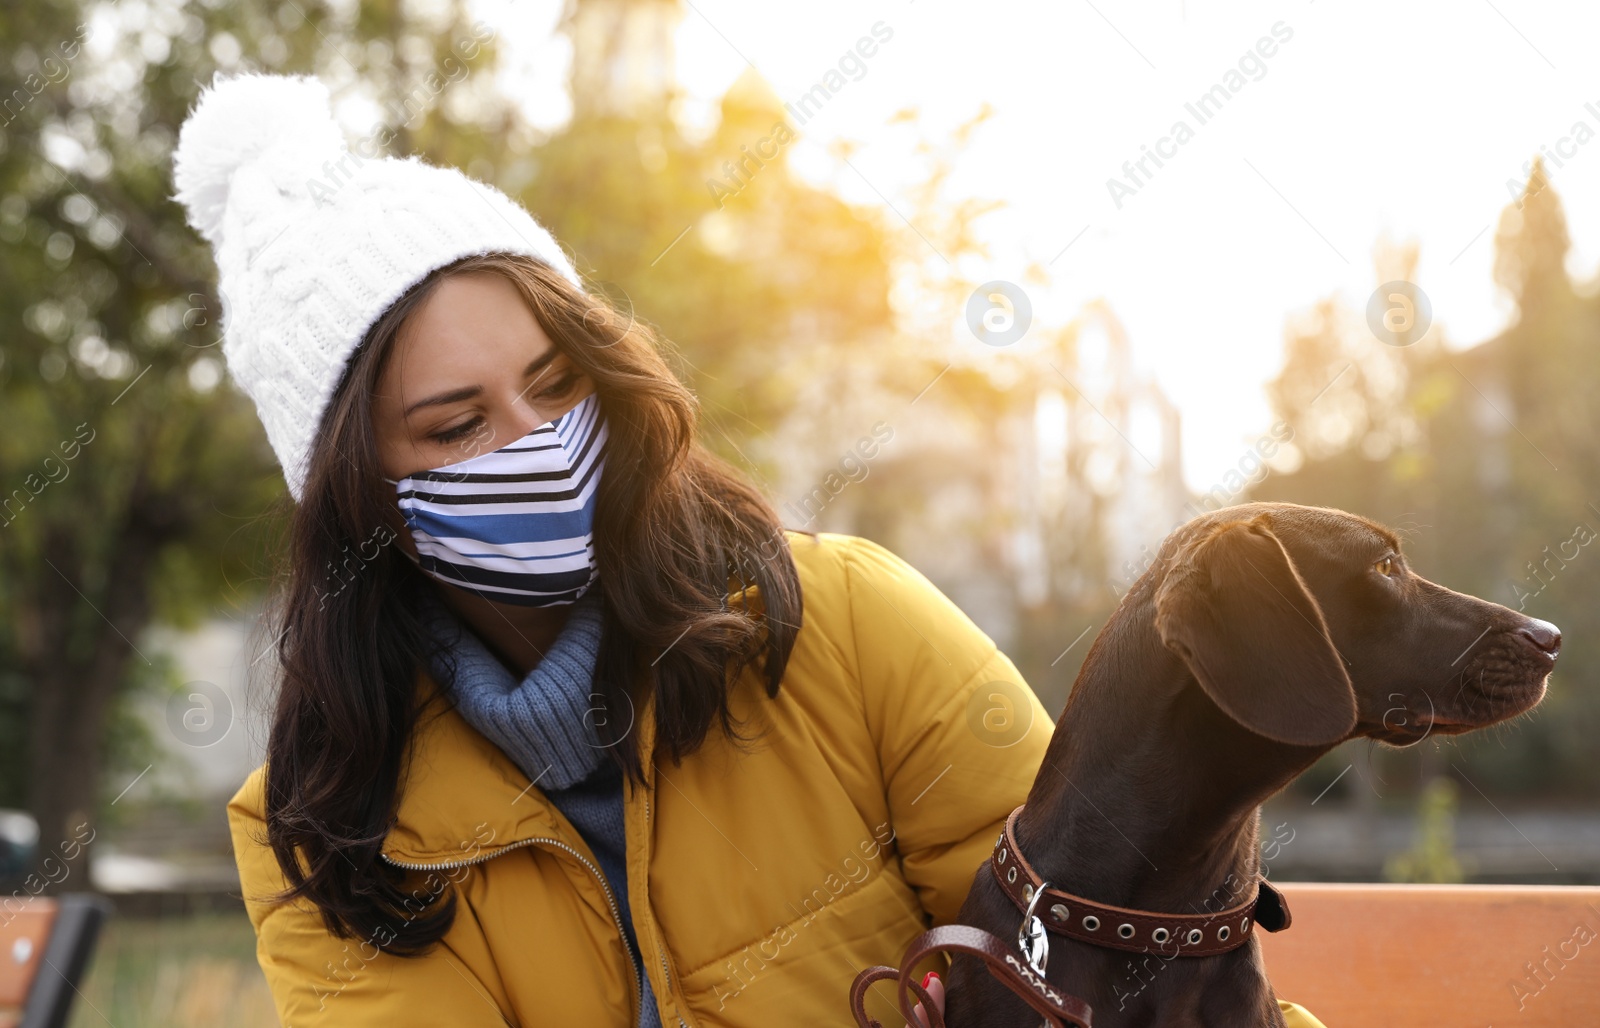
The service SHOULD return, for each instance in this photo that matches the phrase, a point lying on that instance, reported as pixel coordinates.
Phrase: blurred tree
(1531, 245)
(135, 481)
(122, 457)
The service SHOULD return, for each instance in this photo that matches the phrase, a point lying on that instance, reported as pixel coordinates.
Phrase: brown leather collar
(1139, 931)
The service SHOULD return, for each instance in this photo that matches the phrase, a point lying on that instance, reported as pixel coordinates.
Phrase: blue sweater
(541, 724)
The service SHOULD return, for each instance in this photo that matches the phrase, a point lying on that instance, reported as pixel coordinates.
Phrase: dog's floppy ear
(1236, 610)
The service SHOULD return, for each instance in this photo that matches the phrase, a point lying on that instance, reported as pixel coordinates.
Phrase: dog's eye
(1384, 567)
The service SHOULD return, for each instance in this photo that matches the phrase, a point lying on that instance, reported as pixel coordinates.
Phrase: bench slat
(23, 933)
(1431, 955)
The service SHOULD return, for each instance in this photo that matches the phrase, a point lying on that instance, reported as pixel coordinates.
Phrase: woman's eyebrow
(468, 392)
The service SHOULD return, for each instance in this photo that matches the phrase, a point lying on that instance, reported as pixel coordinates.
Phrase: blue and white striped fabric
(515, 525)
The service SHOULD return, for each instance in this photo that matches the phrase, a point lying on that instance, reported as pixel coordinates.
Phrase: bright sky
(1373, 120)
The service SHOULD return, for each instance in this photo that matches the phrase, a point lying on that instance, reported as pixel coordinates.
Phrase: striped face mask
(514, 525)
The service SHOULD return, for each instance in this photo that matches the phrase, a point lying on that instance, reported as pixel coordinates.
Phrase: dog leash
(1059, 1009)
(1098, 924)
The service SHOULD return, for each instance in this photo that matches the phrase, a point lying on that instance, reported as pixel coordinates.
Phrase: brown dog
(1262, 636)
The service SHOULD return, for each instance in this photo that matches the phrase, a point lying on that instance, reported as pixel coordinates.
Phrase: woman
(570, 730)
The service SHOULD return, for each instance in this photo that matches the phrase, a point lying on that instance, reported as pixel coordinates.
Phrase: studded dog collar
(1138, 931)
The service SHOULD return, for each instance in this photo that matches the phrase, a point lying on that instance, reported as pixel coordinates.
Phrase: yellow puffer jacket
(760, 882)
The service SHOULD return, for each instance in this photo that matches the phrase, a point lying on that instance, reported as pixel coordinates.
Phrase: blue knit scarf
(543, 722)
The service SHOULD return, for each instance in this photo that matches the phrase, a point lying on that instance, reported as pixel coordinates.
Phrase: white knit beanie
(314, 241)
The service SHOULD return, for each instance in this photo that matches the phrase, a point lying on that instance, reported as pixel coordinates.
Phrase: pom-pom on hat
(314, 240)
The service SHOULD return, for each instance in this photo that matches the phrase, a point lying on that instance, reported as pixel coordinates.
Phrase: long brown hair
(674, 527)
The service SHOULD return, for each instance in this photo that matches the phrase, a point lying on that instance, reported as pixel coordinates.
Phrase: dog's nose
(1544, 635)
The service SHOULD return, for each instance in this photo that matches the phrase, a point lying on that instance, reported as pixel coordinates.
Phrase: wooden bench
(1462, 956)
(45, 945)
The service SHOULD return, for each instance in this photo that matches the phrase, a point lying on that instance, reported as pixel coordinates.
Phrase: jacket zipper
(616, 916)
(666, 972)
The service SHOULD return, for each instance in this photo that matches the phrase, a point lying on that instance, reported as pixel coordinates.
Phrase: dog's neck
(1149, 796)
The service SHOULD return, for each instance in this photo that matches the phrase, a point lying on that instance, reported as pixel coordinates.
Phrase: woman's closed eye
(560, 387)
(451, 435)
(555, 390)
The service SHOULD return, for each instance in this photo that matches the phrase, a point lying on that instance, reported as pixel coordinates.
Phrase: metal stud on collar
(1194, 936)
(1091, 923)
(1125, 931)
(1160, 935)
